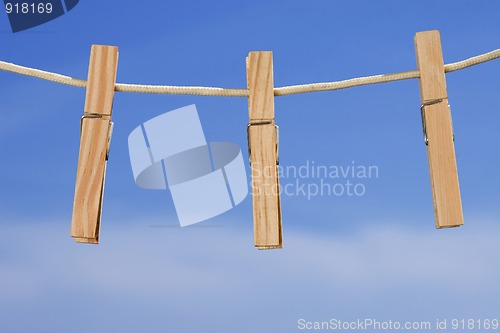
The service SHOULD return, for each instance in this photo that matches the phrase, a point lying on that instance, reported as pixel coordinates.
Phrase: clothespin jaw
(438, 130)
(263, 152)
(95, 136)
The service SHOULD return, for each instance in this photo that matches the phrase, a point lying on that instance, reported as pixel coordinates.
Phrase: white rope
(181, 90)
(231, 92)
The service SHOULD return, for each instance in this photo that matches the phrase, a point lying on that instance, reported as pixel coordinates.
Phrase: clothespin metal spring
(259, 123)
(422, 114)
(98, 116)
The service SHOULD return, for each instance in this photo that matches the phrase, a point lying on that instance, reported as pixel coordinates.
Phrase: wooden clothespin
(438, 131)
(263, 151)
(95, 137)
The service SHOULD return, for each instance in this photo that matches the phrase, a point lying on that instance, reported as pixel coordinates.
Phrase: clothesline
(235, 92)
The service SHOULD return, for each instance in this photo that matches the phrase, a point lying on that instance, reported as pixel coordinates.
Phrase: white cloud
(212, 273)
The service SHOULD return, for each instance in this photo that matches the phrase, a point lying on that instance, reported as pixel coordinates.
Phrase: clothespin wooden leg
(438, 131)
(95, 136)
(262, 146)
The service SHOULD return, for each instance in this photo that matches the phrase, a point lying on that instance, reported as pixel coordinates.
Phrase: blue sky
(377, 255)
